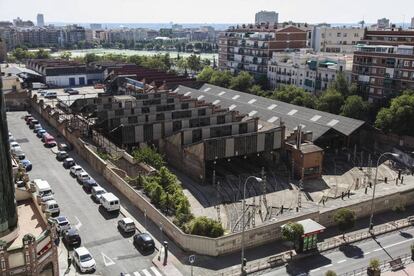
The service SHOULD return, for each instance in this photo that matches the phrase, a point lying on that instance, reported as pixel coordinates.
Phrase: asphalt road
(113, 252)
(352, 257)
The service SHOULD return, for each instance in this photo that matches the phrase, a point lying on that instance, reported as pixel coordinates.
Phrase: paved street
(351, 257)
(113, 252)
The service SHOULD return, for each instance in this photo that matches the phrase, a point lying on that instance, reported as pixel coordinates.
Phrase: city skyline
(317, 11)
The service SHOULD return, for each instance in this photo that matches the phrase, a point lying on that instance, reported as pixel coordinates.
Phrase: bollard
(399, 173)
(386, 179)
(281, 209)
(402, 179)
(342, 195)
(165, 252)
(366, 189)
(349, 193)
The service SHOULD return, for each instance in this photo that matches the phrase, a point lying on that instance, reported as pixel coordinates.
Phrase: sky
(206, 11)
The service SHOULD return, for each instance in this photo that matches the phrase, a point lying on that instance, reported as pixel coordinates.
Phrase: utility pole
(300, 189)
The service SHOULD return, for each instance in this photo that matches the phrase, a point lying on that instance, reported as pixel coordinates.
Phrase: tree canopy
(345, 219)
(242, 82)
(355, 107)
(149, 156)
(294, 95)
(293, 232)
(398, 118)
(330, 101)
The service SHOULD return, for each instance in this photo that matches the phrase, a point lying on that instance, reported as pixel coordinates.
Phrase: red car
(49, 141)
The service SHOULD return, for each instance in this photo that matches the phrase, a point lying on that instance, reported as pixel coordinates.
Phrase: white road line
(146, 272)
(341, 261)
(136, 273)
(314, 270)
(154, 269)
(367, 253)
(79, 224)
(107, 261)
(329, 265)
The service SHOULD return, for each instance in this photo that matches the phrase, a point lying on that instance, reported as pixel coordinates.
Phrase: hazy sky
(206, 11)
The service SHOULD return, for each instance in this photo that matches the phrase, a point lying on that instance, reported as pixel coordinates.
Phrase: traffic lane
(98, 231)
(353, 256)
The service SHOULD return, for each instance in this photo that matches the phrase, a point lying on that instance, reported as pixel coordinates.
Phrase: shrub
(149, 156)
(330, 273)
(374, 264)
(204, 226)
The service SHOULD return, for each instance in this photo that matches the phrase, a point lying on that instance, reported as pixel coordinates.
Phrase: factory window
(170, 100)
(177, 125)
(201, 112)
(243, 128)
(197, 135)
(221, 119)
(184, 106)
(160, 117)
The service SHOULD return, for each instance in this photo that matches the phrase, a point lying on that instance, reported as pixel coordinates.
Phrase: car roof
(76, 167)
(145, 236)
(128, 220)
(25, 161)
(14, 143)
(72, 231)
(98, 188)
(81, 250)
(62, 152)
(110, 196)
(69, 159)
(51, 202)
(61, 218)
(84, 173)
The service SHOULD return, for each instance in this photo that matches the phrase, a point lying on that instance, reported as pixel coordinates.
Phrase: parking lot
(113, 251)
(66, 98)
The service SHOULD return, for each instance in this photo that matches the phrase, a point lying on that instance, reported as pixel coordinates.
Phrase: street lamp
(375, 185)
(243, 272)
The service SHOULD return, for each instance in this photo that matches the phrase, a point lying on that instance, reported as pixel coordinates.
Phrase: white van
(110, 202)
(43, 190)
(51, 207)
(50, 95)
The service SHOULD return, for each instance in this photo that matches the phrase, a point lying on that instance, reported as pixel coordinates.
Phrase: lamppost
(375, 185)
(243, 263)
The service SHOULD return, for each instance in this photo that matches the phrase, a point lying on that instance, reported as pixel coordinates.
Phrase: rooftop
(311, 226)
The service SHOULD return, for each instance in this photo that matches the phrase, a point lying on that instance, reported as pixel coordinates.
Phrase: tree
(341, 85)
(21, 54)
(182, 64)
(149, 156)
(355, 107)
(293, 232)
(330, 101)
(158, 196)
(398, 118)
(294, 95)
(221, 78)
(205, 74)
(330, 273)
(90, 58)
(345, 219)
(194, 63)
(65, 55)
(256, 90)
(242, 82)
(207, 227)
(42, 54)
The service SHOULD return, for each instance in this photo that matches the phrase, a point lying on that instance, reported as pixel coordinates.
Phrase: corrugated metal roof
(273, 111)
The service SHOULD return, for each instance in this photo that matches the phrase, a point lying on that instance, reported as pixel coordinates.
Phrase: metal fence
(384, 266)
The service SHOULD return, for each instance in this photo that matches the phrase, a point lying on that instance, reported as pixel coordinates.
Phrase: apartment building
(270, 17)
(335, 39)
(382, 71)
(250, 47)
(383, 23)
(390, 37)
(41, 37)
(307, 69)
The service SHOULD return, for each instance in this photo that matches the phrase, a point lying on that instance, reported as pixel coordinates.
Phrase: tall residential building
(307, 69)
(383, 23)
(95, 26)
(270, 17)
(3, 50)
(18, 22)
(382, 71)
(391, 37)
(335, 39)
(8, 208)
(412, 23)
(249, 47)
(40, 20)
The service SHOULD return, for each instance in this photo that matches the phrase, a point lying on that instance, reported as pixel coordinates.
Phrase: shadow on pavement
(108, 215)
(352, 251)
(303, 267)
(405, 235)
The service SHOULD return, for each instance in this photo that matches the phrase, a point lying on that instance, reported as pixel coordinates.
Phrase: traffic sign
(191, 259)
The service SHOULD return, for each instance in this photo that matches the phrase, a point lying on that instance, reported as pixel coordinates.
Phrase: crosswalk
(152, 271)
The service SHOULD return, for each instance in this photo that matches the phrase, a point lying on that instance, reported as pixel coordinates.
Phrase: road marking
(155, 271)
(107, 261)
(136, 273)
(314, 270)
(79, 224)
(367, 253)
(146, 272)
(341, 261)
(130, 241)
(329, 265)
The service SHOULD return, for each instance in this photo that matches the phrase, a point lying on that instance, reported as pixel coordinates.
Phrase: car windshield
(100, 192)
(63, 223)
(85, 258)
(45, 193)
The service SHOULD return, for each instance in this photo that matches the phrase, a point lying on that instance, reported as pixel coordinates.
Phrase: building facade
(3, 50)
(335, 40)
(306, 69)
(389, 37)
(250, 47)
(383, 23)
(269, 17)
(412, 23)
(383, 72)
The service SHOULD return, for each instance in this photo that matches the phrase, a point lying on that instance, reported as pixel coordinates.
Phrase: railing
(384, 266)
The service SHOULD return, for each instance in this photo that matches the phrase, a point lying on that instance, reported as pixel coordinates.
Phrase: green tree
(294, 95)
(182, 64)
(242, 82)
(341, 85)
(91, 58)
(330, 101)
(205, 74)
(65, 55)
(293, 232)
(42, 54)
(21, 54)
(330, 273)
(204, 226)
(194, 63)
(345, 219)
(256, 90)
(221, 78)
(149, 156)
(398, 118)
(355, 107)
(158, 196)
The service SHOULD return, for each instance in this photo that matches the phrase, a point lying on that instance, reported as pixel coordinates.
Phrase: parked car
(84, 260)
(14, 144)
(67, 89)
(33, 123)
(27, 116)
(27, 165)
(40, 133)
(73, 92)
(42, 92)
(43, 189)
(61, 155)
(88, 184)
(74, 170)
(68, 163)
(82, 176)
(97, 193)
(62, 223)
(19, 153)
(71, 237)
(11, 138)
(37, 127)
(50, 95)
(29, 119)
(110, 202)
(49, 141)
(127, 225)
(144, 242)
(43, 136)
(65, 147)
(51, 207)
